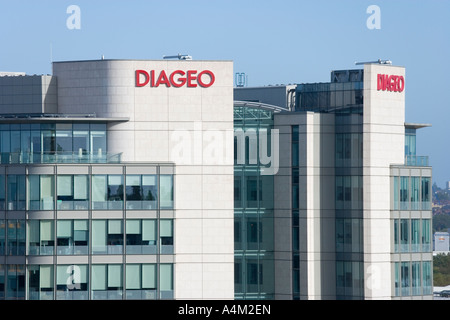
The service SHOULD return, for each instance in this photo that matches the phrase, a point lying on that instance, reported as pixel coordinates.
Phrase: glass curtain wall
(53, 142)
(412, 233)
(349, 207)
(253, 198)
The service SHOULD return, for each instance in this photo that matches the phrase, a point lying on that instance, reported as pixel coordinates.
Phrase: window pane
(133, 276)
(165, 228)
(64, 187)
(80, 187)
(149, 230)
(166, 277)
(133, 227)
(148, 276)
(166, 191)
(98, 236)
(98, 188)
(98, 277)
(114, 276)
(64, 228)
(47, 232)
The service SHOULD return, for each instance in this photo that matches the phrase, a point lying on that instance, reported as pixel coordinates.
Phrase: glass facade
(295, 154)
(253, 206)
(61, 215)
(54, 142)
(411, 224)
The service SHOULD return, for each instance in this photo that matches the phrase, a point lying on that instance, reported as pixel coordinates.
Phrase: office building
(110, 188)
(347, 215)
(120, 181)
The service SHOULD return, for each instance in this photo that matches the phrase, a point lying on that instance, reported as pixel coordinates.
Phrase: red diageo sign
(387, 82)
(176, 79)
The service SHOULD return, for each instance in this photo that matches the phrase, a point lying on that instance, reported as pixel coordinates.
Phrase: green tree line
(441, 270)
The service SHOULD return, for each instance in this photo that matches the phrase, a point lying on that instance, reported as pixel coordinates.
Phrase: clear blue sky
(273, 42)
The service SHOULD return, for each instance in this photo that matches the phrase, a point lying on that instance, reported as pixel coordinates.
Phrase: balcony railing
(58, 157)
(417, 161)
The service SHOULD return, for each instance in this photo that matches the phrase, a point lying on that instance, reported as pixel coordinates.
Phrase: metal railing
(58, 157)
(417, 161)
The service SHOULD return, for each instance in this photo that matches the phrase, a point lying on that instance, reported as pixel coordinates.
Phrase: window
(415, 193)
(166, 236)
(98, 140)
(396, 238)
(397, 279)
(40, 237)
(2, 239)
(16, 237)
(141, 236)
(166, 281)
(396, 193)
(15, 282)
(107, 192)
(2, 192)
(426, 277)
(40, 282)
(141, 192)
(107, 282)
(404, 235)
(415, 235)
(426, 202)
(72, 192)
(107, 236)
(16, 192)
(426, 235)
(72, 282)
(64, 140)
(140, 281)
(404, 193)
(72, 237)
(405, 266)
(41, 192)
(415, 278)
(166, 191)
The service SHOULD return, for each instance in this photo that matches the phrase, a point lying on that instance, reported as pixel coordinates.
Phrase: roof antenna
(179, 57)
(379, 61)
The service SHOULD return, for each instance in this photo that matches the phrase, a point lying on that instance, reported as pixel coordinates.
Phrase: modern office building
(347, 213)
(117, 183)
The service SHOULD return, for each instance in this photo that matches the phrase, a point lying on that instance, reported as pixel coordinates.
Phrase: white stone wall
(383, 145)
(192, 127)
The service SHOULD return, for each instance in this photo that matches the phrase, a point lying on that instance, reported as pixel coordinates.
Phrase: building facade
(117, 181)
(352, 200)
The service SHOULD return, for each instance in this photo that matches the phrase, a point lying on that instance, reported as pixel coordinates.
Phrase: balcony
(64, 157)
(417, 161)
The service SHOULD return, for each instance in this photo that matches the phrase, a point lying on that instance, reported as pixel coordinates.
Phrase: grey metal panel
(107, 214)
(150, 169)
(41, 169)
(99, 259)
(105, 169)
(40, 260)
(136, 258)
(167, 170)
(72, 259)
(137, 214)
(19, 169)
(31, 215)
(72, 169)
(72, 215)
